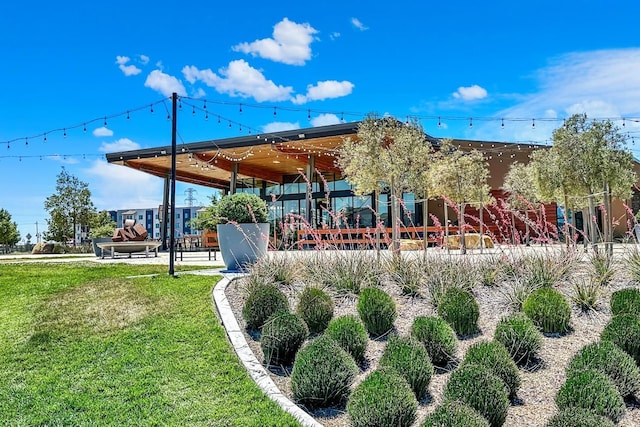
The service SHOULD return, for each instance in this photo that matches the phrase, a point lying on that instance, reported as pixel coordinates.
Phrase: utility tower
(190, 200)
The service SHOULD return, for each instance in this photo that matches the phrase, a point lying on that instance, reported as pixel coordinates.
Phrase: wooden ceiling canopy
(265, 158)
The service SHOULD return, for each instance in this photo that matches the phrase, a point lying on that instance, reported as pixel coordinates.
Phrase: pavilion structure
(295, 172)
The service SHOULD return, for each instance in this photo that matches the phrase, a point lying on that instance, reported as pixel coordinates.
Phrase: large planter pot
(242, 244)
(96, 249)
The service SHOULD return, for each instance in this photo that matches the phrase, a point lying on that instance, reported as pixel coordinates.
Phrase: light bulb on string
(342, 117)
(128, 117)
(84, 127)
(439, 123)
(151, 108)
(45, 137)
(218, 119)
(105, 122)
(204, 105)
(502, 124)
(309, 114)
(470, 122)
(193, 111)
(623, 124)
(64, 133)
(26, 141)
(168, 116)
(275, 113)
(206, 115)
(240, 111)
(533, 123)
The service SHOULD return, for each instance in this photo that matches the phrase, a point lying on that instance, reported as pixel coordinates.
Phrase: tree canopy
(9, 234)
(387, 155)
(70, 206)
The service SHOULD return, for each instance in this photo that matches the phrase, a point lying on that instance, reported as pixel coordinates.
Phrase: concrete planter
(242, 244)
(96, 249)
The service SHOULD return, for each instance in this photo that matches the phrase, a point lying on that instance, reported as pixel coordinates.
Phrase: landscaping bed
(540, 379)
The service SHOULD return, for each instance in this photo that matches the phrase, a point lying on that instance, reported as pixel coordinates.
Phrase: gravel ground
(534, 405)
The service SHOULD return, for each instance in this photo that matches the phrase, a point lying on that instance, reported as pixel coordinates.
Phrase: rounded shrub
(377, 311)
(315, 306)
(282, 335)
(519, 336)
(578, 417)
(350, 334)
(493, 355)
(477, 387)
(262, 302)
(322, 373)
(383, 399)
(611, 360)
(410, 359)
(455, 414)
(438, 338)
(593, 391)
(548, 310)
(624, 331)
(625, 301)
(459, 308)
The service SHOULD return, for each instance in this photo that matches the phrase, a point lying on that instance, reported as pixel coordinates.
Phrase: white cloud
(470, 93)
(144, 59)
(199, 93)
(334, 35)
(128, 70)
(291, 44)
(164, 83)
(102, 131)
(239, 79)
(63, 159)
(325, 120)
(280, 126)
(359, 25)
(142, 189)
(123, 144)
(601, 84)
(325, 90)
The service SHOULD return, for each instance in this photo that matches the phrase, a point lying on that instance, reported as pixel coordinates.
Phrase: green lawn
(82, 344)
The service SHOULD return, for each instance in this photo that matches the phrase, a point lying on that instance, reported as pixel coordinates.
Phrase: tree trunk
(463, 243)
(608, 222)
(395, 213)
(565, 214)
(425, 221)
(446, 224)
(592, 225)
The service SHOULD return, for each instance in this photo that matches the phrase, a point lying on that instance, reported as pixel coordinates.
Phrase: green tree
(70, 206)
(592, 165)
(522, 193)
(387, 155)
(461, 176)
(9, 234)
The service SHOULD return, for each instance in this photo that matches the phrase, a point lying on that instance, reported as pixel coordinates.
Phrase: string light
(151, 110)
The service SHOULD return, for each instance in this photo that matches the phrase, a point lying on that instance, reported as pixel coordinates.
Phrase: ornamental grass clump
(282, 335)
(322, 374)
(383, 399)
(315, 307)
(601, 270)
(459, 309)
(624, 331)
(377, 311)
(410, 359)
(593, 391)
(437, 336)
(455, 414)
(350, 334)
(608, 358)
(547, 270)
(442, 274)
(279, 268)
(586, 294)
(625, 301)
(262, 301)
(407, 273)
(477, 387)
(345, 273)
(549, 310)
(494, 356)
(520, 337)
(578, 417)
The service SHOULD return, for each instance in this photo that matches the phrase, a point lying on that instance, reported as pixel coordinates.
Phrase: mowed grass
(83, 344)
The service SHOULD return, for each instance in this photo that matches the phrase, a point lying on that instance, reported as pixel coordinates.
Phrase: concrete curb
(252, 364)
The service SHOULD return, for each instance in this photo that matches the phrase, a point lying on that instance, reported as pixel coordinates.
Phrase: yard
(86, 344)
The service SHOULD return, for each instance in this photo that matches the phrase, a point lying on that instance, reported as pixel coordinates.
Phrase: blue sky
(66, 64)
